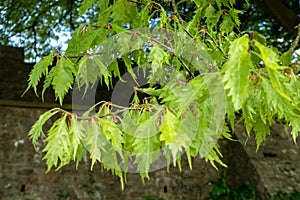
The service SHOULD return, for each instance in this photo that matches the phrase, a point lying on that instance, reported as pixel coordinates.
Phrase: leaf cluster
(208, 74)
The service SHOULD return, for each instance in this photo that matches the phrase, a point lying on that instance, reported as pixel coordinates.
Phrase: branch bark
(296, 41)
(281, 13)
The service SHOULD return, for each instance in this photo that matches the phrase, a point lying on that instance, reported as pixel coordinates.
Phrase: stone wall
(275, 167)
(21, 166)
(277, 160)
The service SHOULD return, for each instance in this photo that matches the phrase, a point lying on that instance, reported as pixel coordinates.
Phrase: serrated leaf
(212, 16)
(146, 151)
(237, 72)
(58, 148)
(85, 5)
(88, 73)
(150, 91)
(104, 73)
(118, 29)
(114, 67)
(76, 137)
(227, 24)
(37, 129)
(62, 78)
(39, 69)
(234, 14)
(269, 57)
(213, 157)
(277, 103)
(82, 40)
(261, 131)
(169, 127)
(48, 81)
(113, 133)
(93, 141)
(174, 140)
(286, 58)
(80, 154)
(295, 124)
(259, 37)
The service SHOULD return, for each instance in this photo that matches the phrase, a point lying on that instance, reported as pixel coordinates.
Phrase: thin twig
(176, 11)
(122, 109)
(296, 41)
(216, 44)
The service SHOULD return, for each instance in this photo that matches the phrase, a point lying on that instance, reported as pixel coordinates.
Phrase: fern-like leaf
(39, 69)
(62, 78)
(37, 129)
(237, 71)
(59, 147)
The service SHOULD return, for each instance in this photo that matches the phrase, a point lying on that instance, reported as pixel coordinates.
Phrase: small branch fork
(121, 109)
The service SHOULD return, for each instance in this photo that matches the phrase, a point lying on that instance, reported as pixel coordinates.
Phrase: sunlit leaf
(62, 78)
(39, 69)
(37, 129)
(237, 72)
(85, 5)
(58, 148)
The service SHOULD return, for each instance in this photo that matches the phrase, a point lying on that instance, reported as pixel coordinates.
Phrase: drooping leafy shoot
(201, 73)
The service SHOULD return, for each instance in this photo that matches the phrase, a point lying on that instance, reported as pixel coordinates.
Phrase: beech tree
(200, 72)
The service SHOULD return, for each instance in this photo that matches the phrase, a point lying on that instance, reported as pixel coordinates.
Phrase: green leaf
(146, 145)
(94, 140)
(48, 81)
(234, 15)
(59, 147)
(88, 72)
(147, 124)
(104, 73)
(227, 24)
(118, 29)
(169, 127)
(286, 58)
(128, 64)
(62, 78)
(295, 124)
(212, 16)
(261, 131)
(146, 151)
(37, 129)
(259, 38)
(277, 103)
(39, 69)
(85, 5)
(113, 133)
(237, 72)
(76, 136)
(173, 139)
(114, 67)
(82, 40)
(269, 57)
(213, 157)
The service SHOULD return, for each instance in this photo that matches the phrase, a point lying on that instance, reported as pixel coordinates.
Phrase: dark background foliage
(40, 26)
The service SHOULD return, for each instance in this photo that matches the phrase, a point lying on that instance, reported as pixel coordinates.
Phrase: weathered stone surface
(277, 160)
(22, 165)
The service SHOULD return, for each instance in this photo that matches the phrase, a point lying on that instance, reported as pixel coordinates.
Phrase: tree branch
(296, 41)
(281, 13)
(176, 11)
